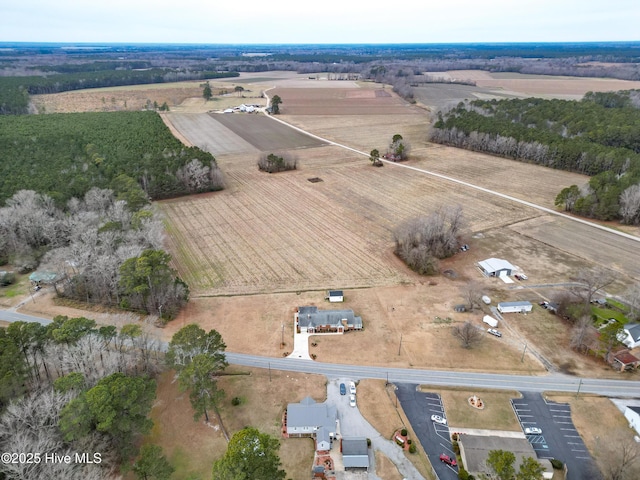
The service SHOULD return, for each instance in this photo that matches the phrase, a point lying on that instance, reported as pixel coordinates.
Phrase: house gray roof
(308, 413)
(312, 317)
(634, 330)
(335, 293)
(323, 435)
(355, 452)
(354, 446)
(495, 264)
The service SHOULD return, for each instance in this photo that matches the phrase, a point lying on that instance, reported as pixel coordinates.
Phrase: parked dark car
(343, 389)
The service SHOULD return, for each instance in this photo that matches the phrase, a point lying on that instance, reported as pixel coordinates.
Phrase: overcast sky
(321, 21)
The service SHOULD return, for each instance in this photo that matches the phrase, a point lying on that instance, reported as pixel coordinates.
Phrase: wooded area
(64, 155)
(597, 136)
(15, 91)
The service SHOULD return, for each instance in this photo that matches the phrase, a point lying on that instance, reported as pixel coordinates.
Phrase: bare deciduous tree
(472, 293)
(31, 425)
(583, 335)
(591, 281)
(630, 205)
(468, 334)
(421, 241)
(619, 457)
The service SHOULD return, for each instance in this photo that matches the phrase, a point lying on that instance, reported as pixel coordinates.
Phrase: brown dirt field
(192, 446)
(265, 134)
(333, 101)
(544, 85)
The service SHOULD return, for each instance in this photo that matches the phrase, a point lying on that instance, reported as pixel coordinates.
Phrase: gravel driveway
(353, 424)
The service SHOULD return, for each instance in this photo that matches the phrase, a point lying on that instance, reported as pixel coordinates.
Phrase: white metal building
(496, 267)
(515, 307)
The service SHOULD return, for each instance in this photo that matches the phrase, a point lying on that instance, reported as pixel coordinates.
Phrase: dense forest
(597, 136)
(64, 155)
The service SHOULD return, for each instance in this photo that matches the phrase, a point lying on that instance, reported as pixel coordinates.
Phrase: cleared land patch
(282, 233)
(332, 101)
(201, 129)
(606, 249)
(266, 134)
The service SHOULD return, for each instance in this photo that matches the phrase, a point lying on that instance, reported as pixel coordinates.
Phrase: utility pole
(523, 352)
(282, 340)
(400, 346)
(579, 385)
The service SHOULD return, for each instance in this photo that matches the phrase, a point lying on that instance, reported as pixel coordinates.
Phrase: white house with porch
(311, 419)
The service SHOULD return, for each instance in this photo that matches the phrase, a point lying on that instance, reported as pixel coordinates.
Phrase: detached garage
(496, 267)
(515, 307)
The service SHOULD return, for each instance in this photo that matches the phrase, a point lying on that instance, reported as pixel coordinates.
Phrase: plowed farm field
(283, 233)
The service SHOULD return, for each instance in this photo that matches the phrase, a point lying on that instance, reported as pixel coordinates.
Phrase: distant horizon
(278, 22)
(98, 43)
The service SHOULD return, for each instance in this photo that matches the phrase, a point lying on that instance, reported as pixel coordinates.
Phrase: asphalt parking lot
(559, 438)
(435, 438)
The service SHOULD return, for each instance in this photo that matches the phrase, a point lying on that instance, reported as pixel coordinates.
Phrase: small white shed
(335, 296)
(515, 307)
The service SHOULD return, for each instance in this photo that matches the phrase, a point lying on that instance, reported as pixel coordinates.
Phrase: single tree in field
(199, 357)
(468, 334)
(275, 104)
(374, 157)
(206, 92)
(250, 455)
(152, 464)
(399, 147)
(239, 90)
(198, 377)
(472, 293)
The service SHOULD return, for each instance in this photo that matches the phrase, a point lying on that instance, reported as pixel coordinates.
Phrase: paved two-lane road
(541, 383)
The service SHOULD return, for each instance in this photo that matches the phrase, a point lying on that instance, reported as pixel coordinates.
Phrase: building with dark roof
(355, 452)
(311, 320)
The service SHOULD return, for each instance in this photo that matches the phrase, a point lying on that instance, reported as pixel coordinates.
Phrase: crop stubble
(281, 233)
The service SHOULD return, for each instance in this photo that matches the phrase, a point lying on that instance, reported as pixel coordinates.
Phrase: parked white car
(532, 431)
(352, 400)
(352, 388)
(438, 419)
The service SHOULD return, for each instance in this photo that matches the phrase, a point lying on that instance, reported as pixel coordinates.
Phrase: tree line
(73, 386)
(64, 155)
(597, 136)
(14, 91)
